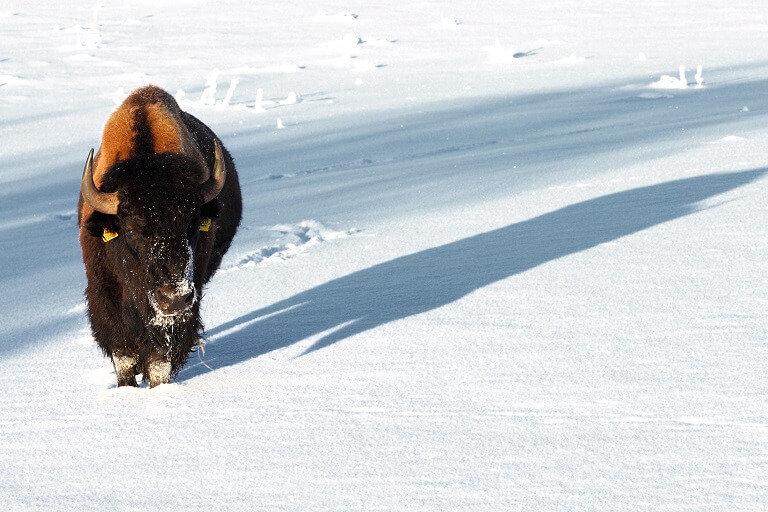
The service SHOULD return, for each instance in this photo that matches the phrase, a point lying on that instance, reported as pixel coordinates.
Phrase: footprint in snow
(294, 239)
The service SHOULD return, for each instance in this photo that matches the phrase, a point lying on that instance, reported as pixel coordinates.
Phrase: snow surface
(485, 263)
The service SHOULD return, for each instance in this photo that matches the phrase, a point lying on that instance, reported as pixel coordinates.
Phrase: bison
(159, 205)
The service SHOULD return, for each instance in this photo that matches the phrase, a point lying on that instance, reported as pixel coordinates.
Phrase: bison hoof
(159, 372)
(125, 370)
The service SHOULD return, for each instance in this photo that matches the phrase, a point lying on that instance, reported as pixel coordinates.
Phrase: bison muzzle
(159, 205)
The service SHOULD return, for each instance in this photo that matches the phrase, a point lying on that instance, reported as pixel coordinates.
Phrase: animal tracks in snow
(293, 240)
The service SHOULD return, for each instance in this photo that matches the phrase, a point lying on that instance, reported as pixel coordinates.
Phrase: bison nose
(173, 300)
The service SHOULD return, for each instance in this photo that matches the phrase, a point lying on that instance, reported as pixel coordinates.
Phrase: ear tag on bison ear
(205, 224)
(108, 235)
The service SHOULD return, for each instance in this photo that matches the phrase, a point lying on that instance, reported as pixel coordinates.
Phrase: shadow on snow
(443, 153)
(432, 278)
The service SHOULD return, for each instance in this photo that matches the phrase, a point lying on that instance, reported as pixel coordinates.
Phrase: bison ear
(97, 222)
(211, 209)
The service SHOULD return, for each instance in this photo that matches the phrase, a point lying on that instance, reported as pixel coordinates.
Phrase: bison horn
(100, 201)
(211, 188)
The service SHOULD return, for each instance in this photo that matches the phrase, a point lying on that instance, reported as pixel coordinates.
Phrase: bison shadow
(432, 278)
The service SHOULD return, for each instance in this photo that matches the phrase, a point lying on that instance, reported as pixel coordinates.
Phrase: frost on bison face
(159, 206)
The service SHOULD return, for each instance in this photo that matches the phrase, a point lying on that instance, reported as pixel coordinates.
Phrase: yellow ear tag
(108, 235)
(205, 224)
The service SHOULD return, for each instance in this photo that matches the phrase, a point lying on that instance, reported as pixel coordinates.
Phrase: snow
(485, 264)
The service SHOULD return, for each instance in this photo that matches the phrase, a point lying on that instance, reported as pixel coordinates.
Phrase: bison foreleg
(125, 369)
(159, 372)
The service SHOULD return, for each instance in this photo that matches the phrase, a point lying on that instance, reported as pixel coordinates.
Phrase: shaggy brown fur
(155, 157)
(148, 121)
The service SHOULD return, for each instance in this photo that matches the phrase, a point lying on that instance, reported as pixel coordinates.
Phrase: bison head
(154, 204)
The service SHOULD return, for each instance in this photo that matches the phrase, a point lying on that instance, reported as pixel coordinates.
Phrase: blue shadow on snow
(432, 278)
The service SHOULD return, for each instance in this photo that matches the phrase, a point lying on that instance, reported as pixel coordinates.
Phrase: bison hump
(148, 121)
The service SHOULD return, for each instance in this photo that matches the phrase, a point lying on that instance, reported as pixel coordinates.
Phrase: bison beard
(146, 258)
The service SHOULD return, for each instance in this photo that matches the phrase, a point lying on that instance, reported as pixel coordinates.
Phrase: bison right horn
(103, 202)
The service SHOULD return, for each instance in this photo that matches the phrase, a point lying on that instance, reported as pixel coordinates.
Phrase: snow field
(491, 258)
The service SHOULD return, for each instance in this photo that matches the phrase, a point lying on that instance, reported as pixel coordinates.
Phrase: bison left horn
(103, 202)
(211, 188)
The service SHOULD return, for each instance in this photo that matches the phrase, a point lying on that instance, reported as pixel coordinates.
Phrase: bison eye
(131, 233)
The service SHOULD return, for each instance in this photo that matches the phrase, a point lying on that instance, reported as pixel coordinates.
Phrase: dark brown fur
(154, 156)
